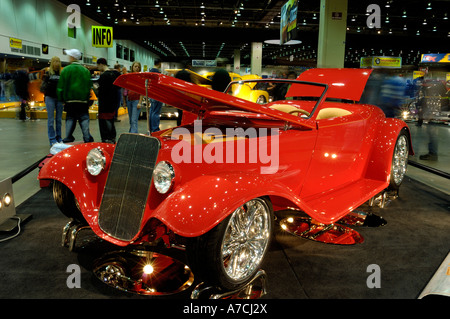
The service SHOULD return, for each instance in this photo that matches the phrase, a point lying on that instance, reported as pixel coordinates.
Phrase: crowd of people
(70, 89)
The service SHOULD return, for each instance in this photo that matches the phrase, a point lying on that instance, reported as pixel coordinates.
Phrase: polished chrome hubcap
(400, 160)
(246, 239)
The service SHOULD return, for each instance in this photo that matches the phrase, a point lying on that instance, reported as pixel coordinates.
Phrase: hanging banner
(102, 37)
(435, 58)
(381, 62)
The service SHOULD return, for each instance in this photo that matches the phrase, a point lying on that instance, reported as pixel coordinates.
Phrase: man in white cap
(74, 89)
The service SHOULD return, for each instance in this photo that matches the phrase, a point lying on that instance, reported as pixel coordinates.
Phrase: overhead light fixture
(88, 3)
(156, 4)
(116, 4)
(445, 16)
(202, 6)
(404, 14)
(429, 6)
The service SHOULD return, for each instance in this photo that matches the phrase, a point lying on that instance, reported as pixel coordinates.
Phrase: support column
(237, 62)
(332, 31)
(256, 58)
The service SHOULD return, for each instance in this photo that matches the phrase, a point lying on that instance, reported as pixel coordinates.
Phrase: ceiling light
(117, 3)
(429, 6)
(88, 3)
(424, 22)
(404, 14)
(445, 16)
(156, 4)
(202, 6)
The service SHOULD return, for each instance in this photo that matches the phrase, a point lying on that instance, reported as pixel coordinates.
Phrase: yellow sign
(15, 43)
(102, 37)
(418, 74)
(381, 62)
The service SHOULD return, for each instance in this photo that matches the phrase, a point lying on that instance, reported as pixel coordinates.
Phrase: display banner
(418, 74)
(15, 43)
(205, 63)
(435, 57)
(288, 23)
(102, 37)
(381, 62)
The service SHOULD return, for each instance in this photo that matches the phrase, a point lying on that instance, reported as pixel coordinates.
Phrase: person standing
(118, 69)
(134, 101)
(74, 88)
(154, 117)
(53, 106)
(107, 101)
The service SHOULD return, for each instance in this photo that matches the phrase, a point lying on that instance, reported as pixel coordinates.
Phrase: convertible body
(325, 160)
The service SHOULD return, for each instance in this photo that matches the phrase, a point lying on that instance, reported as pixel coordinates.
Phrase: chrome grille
(128, 184)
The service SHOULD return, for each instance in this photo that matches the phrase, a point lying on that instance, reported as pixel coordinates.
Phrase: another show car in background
(316, 151)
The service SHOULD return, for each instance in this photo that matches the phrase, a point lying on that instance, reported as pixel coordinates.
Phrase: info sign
(102, 37)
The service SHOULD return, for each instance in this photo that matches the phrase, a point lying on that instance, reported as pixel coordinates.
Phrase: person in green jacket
(74, 89)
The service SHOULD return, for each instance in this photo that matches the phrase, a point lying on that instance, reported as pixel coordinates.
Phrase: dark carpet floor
(408, 250)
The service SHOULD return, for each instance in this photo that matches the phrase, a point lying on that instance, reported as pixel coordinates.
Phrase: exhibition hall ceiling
(194, 29)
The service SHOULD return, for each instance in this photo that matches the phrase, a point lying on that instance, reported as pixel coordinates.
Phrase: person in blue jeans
(154, 117)
(74, 88)
(134, 102)
(53, 106)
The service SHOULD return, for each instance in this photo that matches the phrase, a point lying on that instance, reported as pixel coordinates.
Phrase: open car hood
(195, 77)
(344, 83)
(197, 99)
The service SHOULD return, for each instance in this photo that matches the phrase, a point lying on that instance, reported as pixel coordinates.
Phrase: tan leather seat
(284, 107)
(332, 112)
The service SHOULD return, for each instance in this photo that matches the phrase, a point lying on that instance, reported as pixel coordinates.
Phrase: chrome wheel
(246, 239)
(400, 159)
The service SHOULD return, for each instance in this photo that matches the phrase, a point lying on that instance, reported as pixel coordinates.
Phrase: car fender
(379, 165)
(199, 205)
(69, 168)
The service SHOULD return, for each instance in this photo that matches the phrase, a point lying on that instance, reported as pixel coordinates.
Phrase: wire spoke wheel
(400, 159)
(246, 239)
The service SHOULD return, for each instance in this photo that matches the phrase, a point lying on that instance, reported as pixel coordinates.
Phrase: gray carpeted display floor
(407, 251)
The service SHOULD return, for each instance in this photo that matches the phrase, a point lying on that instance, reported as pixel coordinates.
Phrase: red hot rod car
(214, 185)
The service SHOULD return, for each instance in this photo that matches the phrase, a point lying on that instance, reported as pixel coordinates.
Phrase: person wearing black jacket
(107, 101)
(54, 107)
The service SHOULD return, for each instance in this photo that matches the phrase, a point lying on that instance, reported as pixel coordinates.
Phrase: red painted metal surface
(346, 84)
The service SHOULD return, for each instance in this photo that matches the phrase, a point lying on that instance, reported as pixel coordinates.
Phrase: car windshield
(272, 92)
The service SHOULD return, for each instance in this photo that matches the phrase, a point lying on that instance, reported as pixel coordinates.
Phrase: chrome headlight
(163, 176)
(95, 161)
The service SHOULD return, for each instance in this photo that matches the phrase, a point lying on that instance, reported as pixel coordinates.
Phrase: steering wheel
(300, 111)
